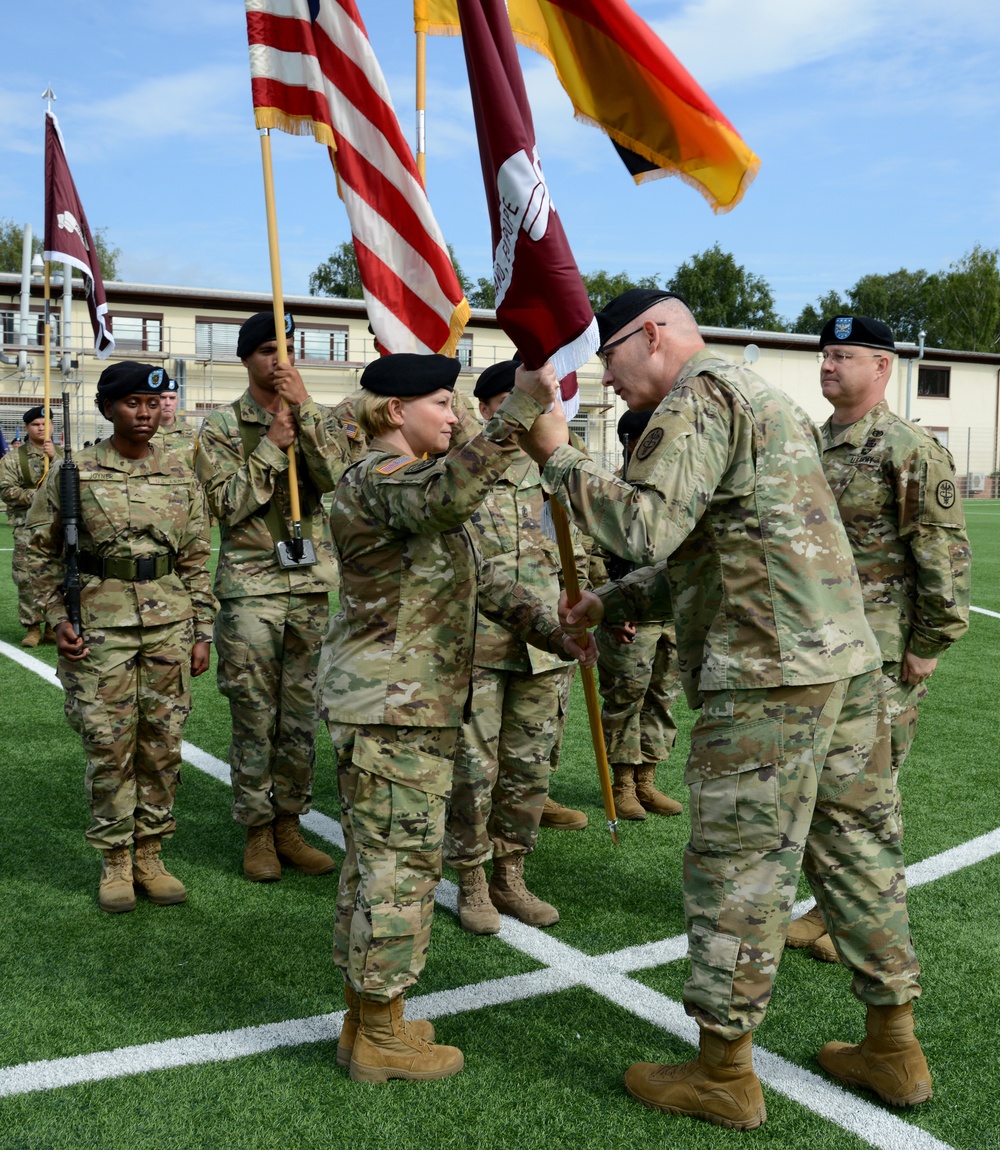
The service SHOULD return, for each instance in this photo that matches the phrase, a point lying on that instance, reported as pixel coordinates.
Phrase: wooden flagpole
(421, 106)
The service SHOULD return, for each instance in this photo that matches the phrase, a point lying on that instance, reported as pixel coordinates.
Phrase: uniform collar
(858, 432)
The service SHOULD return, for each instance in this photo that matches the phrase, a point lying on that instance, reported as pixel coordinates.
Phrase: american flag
(313, 72)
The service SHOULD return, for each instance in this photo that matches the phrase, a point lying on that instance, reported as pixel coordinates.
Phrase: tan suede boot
(889, 1061)
(510, 896)
(561, 818)
(293, 849)
(627, 805)
(802, 931)
(718, 1086)
(33, 636)
(420, 1027)
(476, 913)
(386, 1047)
(149, 872)
(260, 863)
(823, 949)
(652, 800)
(116, 893)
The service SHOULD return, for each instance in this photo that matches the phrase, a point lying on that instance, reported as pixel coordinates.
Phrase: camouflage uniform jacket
(129, 509)
(727, 482)
(179, 438)
(507, 527)
(400, 652)
(239, 491)
(13, 490)
(895, 486)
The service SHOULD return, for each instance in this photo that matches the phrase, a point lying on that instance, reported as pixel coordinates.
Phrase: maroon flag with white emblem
(67, 235)
(541, 301)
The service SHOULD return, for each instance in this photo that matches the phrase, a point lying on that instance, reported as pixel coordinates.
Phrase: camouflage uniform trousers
(639, 683)
(268, 650)
(28, 612)
(785, 779)
(565, 688)
(394, 783)
(502, 765)
(901, 705)
(129, 700)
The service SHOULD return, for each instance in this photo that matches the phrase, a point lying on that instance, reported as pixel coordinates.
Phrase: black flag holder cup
(295, 552)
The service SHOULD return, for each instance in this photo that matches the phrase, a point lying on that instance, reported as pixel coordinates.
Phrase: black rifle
(616, 567)
(69, 509)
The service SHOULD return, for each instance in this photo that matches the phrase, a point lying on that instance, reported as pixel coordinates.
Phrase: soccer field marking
(983, 611)
(564, 967)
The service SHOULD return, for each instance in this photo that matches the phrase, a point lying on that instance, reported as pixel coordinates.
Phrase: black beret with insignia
(407, 374)
(858, 330)
(259, 329)
(633, 424)
(34, 413)
(496, 380)
(130, 378)
(625, 307)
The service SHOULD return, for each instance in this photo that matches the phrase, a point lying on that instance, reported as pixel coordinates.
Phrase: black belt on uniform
(129, 570)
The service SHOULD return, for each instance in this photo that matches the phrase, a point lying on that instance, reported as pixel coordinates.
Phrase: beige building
(193, 333)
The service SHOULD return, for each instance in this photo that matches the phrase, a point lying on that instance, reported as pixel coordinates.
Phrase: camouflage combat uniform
(895, 486)
(395, 681)
(789, 765)
(502, 766)
(130, 697)
(179, 438)
(17, 490)
(271, 620)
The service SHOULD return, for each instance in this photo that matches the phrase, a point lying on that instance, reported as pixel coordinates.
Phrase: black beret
(496, 380)
(34, 413)
(627, 306)
(858, 330)
(130, 378)
(259, 329)
(407, 374)
(633, 424)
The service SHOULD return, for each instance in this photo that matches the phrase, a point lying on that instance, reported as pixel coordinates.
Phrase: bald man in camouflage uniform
(21, 473)
(271, 618)
(789, 767)
(895, 487)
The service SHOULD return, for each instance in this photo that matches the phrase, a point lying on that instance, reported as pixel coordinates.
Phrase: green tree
(107, 255)
(602, 286)
(338, 276)
(484, 294)
(811, 319)
(722, 293)
(12, 242)
(902, 299)
(965, 303)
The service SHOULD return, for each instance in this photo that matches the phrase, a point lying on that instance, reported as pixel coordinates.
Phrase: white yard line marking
(983, 611)
(565, 967)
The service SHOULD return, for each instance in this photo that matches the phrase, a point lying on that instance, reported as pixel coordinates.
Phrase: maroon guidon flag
(541, 301)
(67, 235)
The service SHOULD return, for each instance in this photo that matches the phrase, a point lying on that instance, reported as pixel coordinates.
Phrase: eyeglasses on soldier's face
(602, 355)
(839, 356)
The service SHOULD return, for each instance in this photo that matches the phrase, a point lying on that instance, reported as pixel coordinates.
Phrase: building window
(8, 319)
(216, 339)
(934, 382)
(463, 353)
(137, 332)
(325, 345)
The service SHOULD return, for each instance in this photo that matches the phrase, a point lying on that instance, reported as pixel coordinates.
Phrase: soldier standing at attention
(271, 618)
(174, 433)
(789, 769)
(395, 681)
(502, 765)
(895, 486)
(147, 609)
(21, 471)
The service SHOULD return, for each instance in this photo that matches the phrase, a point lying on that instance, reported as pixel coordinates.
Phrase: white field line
(983, 611)
(565, 967)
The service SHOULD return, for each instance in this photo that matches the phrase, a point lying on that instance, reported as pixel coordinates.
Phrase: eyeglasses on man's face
(839, 356)
(602, 355)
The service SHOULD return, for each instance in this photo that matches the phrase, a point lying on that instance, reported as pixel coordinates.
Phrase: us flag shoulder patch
(392, 465)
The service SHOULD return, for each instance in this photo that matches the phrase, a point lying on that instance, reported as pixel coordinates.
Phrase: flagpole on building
(421, 106)
(279, 322)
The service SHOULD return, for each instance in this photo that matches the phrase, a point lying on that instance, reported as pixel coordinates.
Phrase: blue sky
(876, 124)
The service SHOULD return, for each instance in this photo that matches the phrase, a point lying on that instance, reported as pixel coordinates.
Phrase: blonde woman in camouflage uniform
(789, 767)
(147, 610)
(395, 682)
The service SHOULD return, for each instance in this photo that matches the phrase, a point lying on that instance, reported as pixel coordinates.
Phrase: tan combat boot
(260, 863)
(650, 799)
(419, 1027)
(149, 872)
(116, 893)
(510, 896)
(387, 1047)
(627, 805)
(33, 636)
(562, 818)
(476, 913)
(823, 949)
(293, 849)
(889, 1061)
(802, 931)
(718, 1086)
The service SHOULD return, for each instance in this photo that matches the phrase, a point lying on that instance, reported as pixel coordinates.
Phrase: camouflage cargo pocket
(733, 774)
(396, 920)
(86, 711)
(713, 965)
(396, 816)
